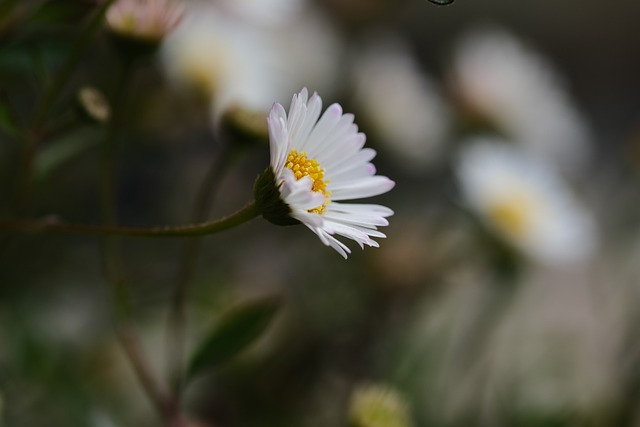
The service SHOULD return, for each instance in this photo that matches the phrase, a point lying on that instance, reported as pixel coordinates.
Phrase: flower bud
(138, 26)
(93, 105)
(244, 126)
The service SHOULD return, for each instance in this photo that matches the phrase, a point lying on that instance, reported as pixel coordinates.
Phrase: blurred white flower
(239, 64)
(555, 351)
(312, 53)
(524, 202)
(542, 349)
(400, 103)
(144, 19)
(221, 58)
(317, 161)
(501, 80)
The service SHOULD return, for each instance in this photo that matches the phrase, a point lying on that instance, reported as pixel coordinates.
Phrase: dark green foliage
(234, 332)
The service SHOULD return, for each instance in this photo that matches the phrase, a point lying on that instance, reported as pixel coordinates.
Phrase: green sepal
(132, 48)
(268, 201)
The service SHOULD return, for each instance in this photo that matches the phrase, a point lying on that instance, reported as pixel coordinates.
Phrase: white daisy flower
(500, 79)
(317, 162)
(524, 202)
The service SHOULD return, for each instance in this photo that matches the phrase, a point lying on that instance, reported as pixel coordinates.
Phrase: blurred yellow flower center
(128, 24)
(202, 65)
(302, 166)
(512, 214)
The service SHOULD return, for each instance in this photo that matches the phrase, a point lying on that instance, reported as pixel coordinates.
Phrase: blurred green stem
(177, 321)
(108, 169)
(161, 398)
(166, 403)
(36, 132)
(63, 76)
(111, 251)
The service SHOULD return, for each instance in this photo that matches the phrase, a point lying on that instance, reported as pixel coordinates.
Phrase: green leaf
(7, 121)
(234, 332)
(64, 149)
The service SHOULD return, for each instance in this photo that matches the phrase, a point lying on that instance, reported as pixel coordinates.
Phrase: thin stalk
(241, 216)
(177, 320)
(108, 168)
(160, 397)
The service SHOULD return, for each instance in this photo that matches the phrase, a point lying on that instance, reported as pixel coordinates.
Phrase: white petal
(371, 186)
(313, 110)
(297, 194)
(369, 221)
(346, 147)
(361, 209)
(329, 240)
(278, 137)
(337, 136)
(348, 160)
(323, 128)
(353, 233)
(355, 173)
(308, 219)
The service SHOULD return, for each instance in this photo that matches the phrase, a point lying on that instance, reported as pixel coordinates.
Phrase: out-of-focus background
(505, 293)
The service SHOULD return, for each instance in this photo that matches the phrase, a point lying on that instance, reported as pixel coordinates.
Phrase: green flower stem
(243, 215)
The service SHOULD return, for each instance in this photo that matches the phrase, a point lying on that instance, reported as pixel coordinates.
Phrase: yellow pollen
(302, 166)
(513, 214)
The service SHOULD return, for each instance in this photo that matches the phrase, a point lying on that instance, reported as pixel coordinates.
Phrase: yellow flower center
(512, 214)
(302, 166)
(128, 24)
